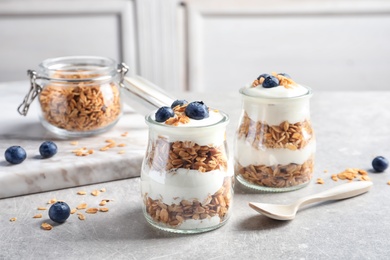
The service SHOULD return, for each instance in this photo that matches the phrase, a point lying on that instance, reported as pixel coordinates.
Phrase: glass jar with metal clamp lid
(82, 95)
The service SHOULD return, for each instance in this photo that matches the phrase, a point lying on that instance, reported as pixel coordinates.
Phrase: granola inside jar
(80, 96)
(275, 143)
(186, 181)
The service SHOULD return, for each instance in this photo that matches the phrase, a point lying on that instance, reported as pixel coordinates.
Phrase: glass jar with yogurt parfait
(275, 143)
(186, 181)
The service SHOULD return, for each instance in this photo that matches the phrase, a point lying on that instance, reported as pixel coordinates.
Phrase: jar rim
(225, 120)
(88, 67)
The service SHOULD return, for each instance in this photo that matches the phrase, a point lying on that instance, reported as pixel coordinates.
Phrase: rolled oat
(46, 226)
(82, 206)
(92, 210)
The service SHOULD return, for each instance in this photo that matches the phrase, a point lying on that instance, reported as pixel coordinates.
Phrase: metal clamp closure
(34, 91)
(122, 70)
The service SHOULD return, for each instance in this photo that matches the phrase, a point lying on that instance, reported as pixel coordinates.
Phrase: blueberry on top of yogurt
(264, 75)
(164, 113)
(179, 102)
(284, 75)
(187, 114)
(197, 110)
(270, 82)
(274, 80)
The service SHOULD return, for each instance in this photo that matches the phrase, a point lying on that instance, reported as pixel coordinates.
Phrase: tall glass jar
(186, 181)
(274, 142)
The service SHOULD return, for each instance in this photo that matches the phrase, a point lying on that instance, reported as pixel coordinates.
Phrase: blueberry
(197, 110)
(285, 75)
(15, 154)
(48, 149)
(59, 212)
(179, 103)
(270, 82)
(163, 113)
(262, 76)
(380, 163)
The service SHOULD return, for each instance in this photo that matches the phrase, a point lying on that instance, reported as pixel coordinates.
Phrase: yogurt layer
(208, 131)
(274, 114)
(184, 184)
(276, 92)
(249, 155)
(276, 105)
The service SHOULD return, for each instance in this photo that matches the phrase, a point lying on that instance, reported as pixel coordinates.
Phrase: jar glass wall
(80, 96)
(186, 181)
(274, 143)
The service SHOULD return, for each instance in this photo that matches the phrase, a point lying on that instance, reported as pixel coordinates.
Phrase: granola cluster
(165, 156)
(291, 136)
(351, 174)
(180, 116)
(80, 106)
(277, 176)
(176, 214)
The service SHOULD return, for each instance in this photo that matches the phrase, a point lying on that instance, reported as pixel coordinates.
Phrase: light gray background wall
(200, 45)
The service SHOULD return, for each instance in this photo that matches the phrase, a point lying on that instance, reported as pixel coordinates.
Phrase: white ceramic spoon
(288, 212)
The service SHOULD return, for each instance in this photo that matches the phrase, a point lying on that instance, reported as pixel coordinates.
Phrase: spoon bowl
(288, 212)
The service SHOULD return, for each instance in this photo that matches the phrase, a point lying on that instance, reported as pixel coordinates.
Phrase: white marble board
(65, 169)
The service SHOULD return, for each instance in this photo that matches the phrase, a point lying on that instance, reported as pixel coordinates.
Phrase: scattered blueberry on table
(48, 149)
(163, 113)
(15, 154)
(59, 212)
(380, 163)
(197, 110)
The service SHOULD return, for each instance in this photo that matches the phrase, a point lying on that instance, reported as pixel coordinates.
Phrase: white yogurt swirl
(208, 131)
(276, 92)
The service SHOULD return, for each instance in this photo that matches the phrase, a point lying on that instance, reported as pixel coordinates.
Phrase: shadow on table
(260, 222)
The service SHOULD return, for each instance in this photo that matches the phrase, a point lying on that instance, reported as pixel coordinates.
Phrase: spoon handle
(342, 191)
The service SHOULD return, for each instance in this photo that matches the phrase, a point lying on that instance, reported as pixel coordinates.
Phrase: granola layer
(277, 176)
(214, 206)
(285, 135)
(165, 156)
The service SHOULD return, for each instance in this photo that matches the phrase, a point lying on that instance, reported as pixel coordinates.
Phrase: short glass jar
(82, 95)
(274, 143)
(186, 181)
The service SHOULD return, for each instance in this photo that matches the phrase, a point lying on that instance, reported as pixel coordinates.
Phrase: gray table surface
(351, 129)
